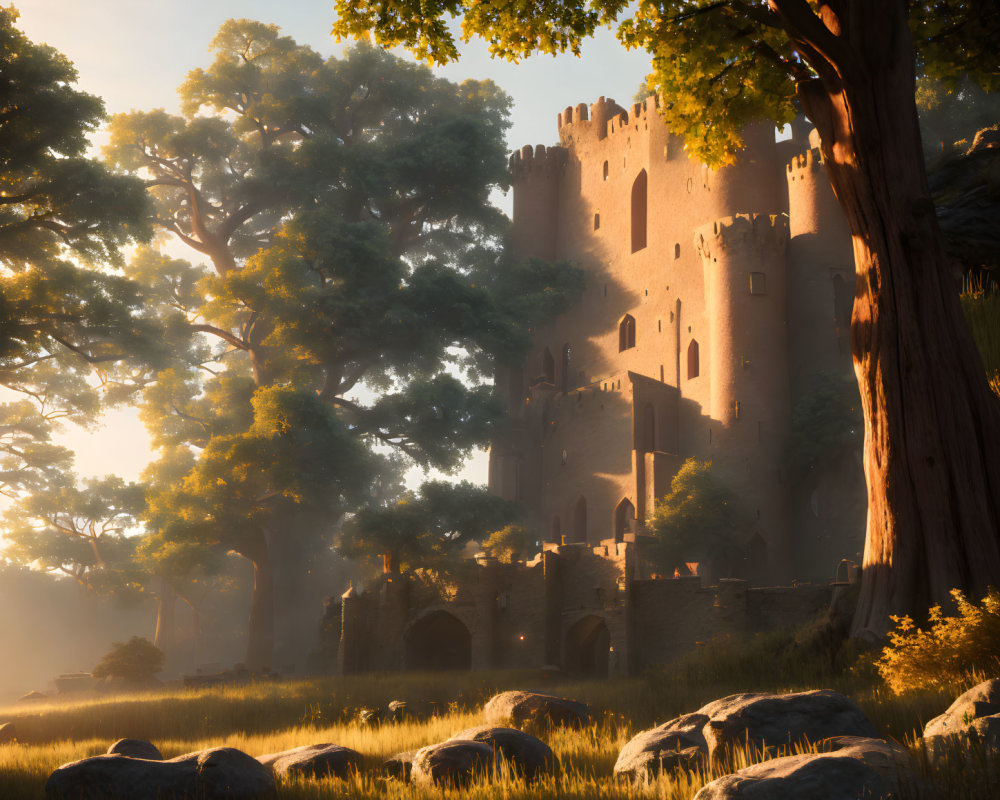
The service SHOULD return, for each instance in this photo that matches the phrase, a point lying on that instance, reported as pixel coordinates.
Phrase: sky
(134, 53)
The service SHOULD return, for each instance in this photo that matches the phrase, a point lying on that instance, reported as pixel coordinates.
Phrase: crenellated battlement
(742, 231)
(602, 119)
(537, 158)
(810, 161)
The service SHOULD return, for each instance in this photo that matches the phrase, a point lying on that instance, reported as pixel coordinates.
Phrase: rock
(221, 773)
(678, 742)
(849, 767)
(769, 720)
(8, 733)
(519, 708)
(313, 761)
(978, 711)
(31, 697)
(526, 754)
(399, 766)
(136, 748)
(452, 763)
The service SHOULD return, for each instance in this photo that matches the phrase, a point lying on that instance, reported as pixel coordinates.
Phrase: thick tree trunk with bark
(166, 605)
(932, 426)
(260, 630)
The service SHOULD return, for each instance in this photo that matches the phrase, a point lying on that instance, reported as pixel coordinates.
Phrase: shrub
(138, 660)
(952, 650)
(511, 543)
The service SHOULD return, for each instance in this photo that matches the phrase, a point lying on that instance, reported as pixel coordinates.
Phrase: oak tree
(932, 426)
(354, 276)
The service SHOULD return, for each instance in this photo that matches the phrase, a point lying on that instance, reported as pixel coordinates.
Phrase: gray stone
(761, 721)
(453, 763)
(971, 711)
(313, 761)
(678, 742)
(136, 748)
(221, 773)
(848, 768)
(399, 766)
(520, 708)
(8, 733)
(526, 754)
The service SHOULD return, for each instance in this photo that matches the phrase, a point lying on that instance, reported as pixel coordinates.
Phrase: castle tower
(535, 173)
(820, 273)
(743, 259)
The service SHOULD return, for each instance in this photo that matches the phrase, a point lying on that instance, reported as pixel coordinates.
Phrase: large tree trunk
(260, 632)
(932, 426)
(166, 604)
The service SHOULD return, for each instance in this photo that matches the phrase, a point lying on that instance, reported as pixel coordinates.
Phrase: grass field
(267, 717)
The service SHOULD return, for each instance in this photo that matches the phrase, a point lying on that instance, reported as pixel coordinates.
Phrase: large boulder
(221, 773)
(453, 763)
(8, 732)
(136, 748)
(974, 714)
(520, 708)
(847, 767)
(32, 697)
(524, 753)
(313, 761)
(761, 721)
(677, 743)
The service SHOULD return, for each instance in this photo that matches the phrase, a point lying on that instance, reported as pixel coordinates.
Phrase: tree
(355, 275)
(136, 661)
(932, 426)
(80, 532)
(427, 530)
(701, 520)
(511, 543)
(70, 333)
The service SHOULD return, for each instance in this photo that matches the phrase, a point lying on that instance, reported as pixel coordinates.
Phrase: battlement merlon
(809, 161)
(603, 118)
(748, 232)
(536, 159)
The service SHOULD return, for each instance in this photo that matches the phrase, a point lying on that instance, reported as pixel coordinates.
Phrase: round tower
(743, 259)
(820, 273)
(535, 174)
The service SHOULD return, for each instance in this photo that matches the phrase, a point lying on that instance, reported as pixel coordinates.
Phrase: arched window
(624, 517)
(694, 367)
(580, 520)
(647, 434)
(555, 530)
(639, 212)
(626, 333)
(605, 170)
(548, 367)
(564, 377)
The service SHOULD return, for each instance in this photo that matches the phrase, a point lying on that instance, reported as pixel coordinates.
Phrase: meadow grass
(262, 718)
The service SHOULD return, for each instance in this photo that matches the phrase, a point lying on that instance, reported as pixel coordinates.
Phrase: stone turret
(535, 172)
(743, 259)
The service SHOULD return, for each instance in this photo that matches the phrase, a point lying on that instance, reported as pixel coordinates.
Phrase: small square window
(758, 283)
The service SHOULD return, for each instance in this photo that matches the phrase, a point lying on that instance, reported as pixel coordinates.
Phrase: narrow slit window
(694, 367)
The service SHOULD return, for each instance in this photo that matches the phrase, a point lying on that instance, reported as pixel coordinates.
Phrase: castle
(713, 299)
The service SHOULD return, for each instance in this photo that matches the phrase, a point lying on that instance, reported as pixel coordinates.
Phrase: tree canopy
(355, 296)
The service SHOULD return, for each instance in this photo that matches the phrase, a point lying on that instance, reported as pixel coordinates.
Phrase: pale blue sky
(134, 53)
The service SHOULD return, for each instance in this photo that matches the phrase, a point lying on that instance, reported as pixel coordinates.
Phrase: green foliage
(700, 520)
(950, 651)
(982, 312)
(719, 65)
(81, 532)
(826, 421)
(137, 660)
(427, 530)
(952, 112)
(511, 543)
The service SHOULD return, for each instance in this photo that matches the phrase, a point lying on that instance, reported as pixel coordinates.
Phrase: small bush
(136, 661)
(952, 650)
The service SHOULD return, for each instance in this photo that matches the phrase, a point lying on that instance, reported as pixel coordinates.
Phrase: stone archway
(588, 647)
(438, 641)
